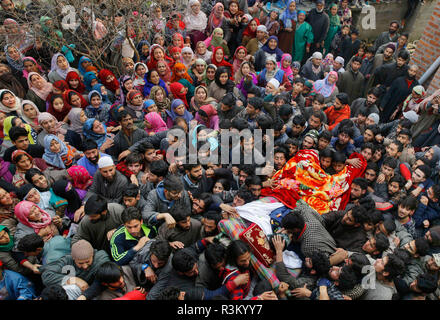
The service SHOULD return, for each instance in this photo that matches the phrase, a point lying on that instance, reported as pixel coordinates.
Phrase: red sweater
(335, 116)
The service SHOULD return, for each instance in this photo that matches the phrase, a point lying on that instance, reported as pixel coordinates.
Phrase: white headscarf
(187, 63)
(7, 110)
(192, 21)
(54, 66)
(26, 118)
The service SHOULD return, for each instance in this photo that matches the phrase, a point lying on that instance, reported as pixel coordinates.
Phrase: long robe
(303, 35)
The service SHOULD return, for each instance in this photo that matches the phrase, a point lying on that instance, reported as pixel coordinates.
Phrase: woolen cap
(82, 250)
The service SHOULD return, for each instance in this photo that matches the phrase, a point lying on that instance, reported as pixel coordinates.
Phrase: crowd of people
(97, 201)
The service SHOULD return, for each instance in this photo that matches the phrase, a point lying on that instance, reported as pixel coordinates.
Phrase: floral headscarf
(80, 176)
(22, 211)
(156, 121)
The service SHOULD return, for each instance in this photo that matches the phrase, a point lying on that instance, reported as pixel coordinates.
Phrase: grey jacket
(111, 191)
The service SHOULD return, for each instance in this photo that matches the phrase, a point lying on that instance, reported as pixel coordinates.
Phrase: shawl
(276, 51)
(80, 176)
(22, 211)
(8, 81)
(176, 88)
(222, 63)
(67, 95)
(26, 118)
(177, 102)
(6, 109)
(156, 121)
(16, 64)
(72, 75)
(51, 158)
(328, 60)
(194, 21)
(323, 87)
(287, 71)
(44, 116)
(161, 106)
(25, 73)
(210, 112)
(139, 50)
(270, 23)
(112, 85)
(74, 119)
(80, 67)
(288, 15)
(216, 18)
(152, 62)
(137, 109)
(335, 20)
(59, 115)
(8, 246)
(54, 66)
(90, 134)
(139, 81)
(88, 78)
(42, 93)
(248, 32)
(7, 126)
(178, 35)
(7, 212)
(178, 67)
(237, 63)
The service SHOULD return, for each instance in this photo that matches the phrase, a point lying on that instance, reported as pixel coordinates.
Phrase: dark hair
(253, 180)
(225, 183)
(347, 279)
(215, 253)
(404, 54)
(399, 179)
(256, 102)
(122, 114)
(249, 169)
(389, 225)
(54, 292)
(343, 98)
(427, 283)
(299, 120)
(229, 98)
(368, 145)
(239, 123)
(261, 287)
(375, 217)
(422, 246)
(246, 195)
(17, 132)
(161, 249)
(320, 263)
(281, 150)
(189, 166)
(361, 182)
(405, 123)
(319, 115)
(319, 98)
(89, 144)
(370, 49)
(293, 220)
(213, 215)
(180, 211)
(327, 135)
(358, 261)
(425, 169)
(293, 141)
(395, 266)
(131, 191)
(169, 294)
(373, 128)
(372, 166)
(173, 183)
(339, 157)
(367, 203)
(96, 204)
(30, 243)
(390, 162)
(398, 144)
(374, 91)
(436, 191)
(147, 145)
(131, 213)
(31, 173)
(134, 157)
(409, 202)
(359, 214)
(285, 110)
(159, 168)
(347, 130)
(264, 121)
(278, 124)
(382, 242)
(326, 153)
(225, 124)
(109, 272)
(405, 132)
(236, 249)
(183, 261)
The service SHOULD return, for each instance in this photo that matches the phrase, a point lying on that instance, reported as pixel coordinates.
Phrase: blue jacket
(15, 286)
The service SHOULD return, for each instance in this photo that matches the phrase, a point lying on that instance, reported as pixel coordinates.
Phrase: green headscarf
(43, 21)
(190, 87)
(10, 245)
(335, 20)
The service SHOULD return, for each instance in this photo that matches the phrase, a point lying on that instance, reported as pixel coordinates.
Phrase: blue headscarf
(277, 51)
(213, 141)
(287, 15)
(80, 67)
(88, 77)
(97, 87)
(147, 103)
(177, 102)
(51, 158)
(89, 134)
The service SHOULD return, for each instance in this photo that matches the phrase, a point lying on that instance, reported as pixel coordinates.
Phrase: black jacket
(320, 23)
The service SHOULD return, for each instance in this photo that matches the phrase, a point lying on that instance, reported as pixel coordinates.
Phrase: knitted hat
(375, 117)
(275, 83)
(340, 60)
(436, 257)
(104, 162)
(419, 90)
(248, 16)
(271, 58)
(317, 55)
(392, 46)
(82, 250)
(262, 28)
(313, 134)
(308, 84)
(411, 116)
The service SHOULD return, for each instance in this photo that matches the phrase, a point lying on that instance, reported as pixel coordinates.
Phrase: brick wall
(428, 47)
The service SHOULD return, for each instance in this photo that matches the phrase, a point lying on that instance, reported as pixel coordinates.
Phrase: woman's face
(301, 17)
(29, 111)
(177, 41)
(210, 73)
(223, 78)
(201, 94)
(253, 25)
(241, 54)
(58, 104)
(3, 70)
(220, 10)
(33, 196)
(334, 10)
(4, 237)
(195, 8)
(344, 4)
(48, 125)
(19, 123)
(34, 214)
(154, 77)
(200, 68)
(73, 83)
(273, 15)
(8, 100)
(272, 43)
(152, 108)
(62, 63)
(140, 70)
(55, 146)
(292, 6)
(75, 100)
(218, 188)
(82, 116)
(137, 100)
(158, 12)
(218, 33)
(95, 101)
(128, 85)
(30, 66)
(24, 163)
(286, 63)
(245, 69)
(160, 40)
(187, 56)
(2, 117)
(145, 50)
(93, 82)
(37, 81)
(180, 110)
(109, 78)
(180, 72)
(331, 79)
(175, 55)
(160, 96)
(158, 54)
(13, 53)
(270, 66)
(161, 68)
(201, 48)
(98, 127)
(182, 123)
(233, 8)
(219, 55)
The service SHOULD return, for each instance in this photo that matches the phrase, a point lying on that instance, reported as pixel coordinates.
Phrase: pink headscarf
(22, 211)
(42, 93)
(324, 87)
(156, 121)
(80, 176)
(25, 73)
(288, 71)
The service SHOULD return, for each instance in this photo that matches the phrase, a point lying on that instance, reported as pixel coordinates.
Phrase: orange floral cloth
(303, 178)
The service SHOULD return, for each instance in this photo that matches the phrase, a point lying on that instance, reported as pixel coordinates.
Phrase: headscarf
(42, 93)
(51, 158)
(61, 85)
(139, 50)
(276, 51)
(177, 67)
(193, 21)
(189, 86)
(186, 63)
(90, 134)
(323, 87)
(6, 247)
(248, 32)
(177, 102)
(113, 85)
(139, 81)
(80, 176)
(15, 64)
(335, 20)
(156, 121)
(54, 66)
(4, 108)
(137, 109)
(22, 211)
(59, 115)
(24, 117)
(210, 112)
(152, 62)
(175, 89)
(97, 87)
(67, 96)
(236, 63)
(19, 152)
(88, 78)
(178, 35)
(213, 141)
(328, 60)
(222, 63)
(161, 106)
(44, 116)
(217, 41)
(80, 67)
(72, 75)
(287, 71)
(73, 200)
(215, 18)
(288, 15)
(25, 73)
(114, 111)
(75, 122)
(7, 126)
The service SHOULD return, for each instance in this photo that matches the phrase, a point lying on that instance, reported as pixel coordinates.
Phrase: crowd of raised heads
(93, 180)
